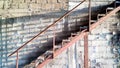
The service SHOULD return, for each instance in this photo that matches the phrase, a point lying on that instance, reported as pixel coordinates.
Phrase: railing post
(51, 25)
(89, 14)
(115, 4)
(17, 59)
(86, 50)
(54, 34)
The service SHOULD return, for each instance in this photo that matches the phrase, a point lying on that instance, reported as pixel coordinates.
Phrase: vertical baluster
(54, 33)
(86, 50)
(17, 59)
(89, 14)
(115, 4)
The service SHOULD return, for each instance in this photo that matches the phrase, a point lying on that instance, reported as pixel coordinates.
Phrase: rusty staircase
(66, 43)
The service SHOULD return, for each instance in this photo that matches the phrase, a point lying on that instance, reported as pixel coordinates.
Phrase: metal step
(39, 60)
(70, 38)
(78, 33)
(36, 62)
(93, 21)
(65, 41)
(109, 9)
(73, 34)
(100, 15)
(83, 27)
(48, 53)
(56, 47)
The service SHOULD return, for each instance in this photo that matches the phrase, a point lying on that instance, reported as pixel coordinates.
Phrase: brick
(6, 5)
(35, 6)
(30, 1)
(42, 1)
(52, 1)
(46, 6)
(63, 1)
(23, 5)
(14, 5)
(1, 4)
(18, 1)
(57, 6)
(64, 5)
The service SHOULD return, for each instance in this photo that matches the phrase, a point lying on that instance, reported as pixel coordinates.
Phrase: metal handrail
(80, 36)
(67, 13)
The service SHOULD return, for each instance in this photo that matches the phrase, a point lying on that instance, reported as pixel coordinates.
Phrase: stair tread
(101, 14)
(83, 26)
(49, 51)
(93, 20)
(110, 8)
(73, 34)
(57, 46)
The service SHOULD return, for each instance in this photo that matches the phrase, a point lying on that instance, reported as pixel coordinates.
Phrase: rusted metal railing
(91, 26)
(48, 27)
(80, 36)
(36, 36)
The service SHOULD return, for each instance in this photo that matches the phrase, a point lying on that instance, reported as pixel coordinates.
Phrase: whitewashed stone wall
(19, 23)
(104, 48)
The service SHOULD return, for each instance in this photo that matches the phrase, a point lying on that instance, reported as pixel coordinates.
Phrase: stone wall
(104, 48)
(17, 31)
(68, 59)
(22, 19)
(16, 8)
(105, 51)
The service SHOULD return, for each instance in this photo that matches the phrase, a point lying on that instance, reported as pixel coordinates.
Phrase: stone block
(57, 6)
(41, 1)
(6, 4)
(14, 5)
(64, 6)
(18, 1)
(31, 1)
(35, 6)
(23, 5)
(63, 1)
(27, 1)
(46, 6)
(52, 1)
(1, 4)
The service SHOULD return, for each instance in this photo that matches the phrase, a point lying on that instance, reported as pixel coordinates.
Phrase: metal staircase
(66, 43)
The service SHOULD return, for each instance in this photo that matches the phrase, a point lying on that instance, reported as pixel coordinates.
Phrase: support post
(115, 4)
(89, 14)
(54, 33)
(17, 59)
(86, 50)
